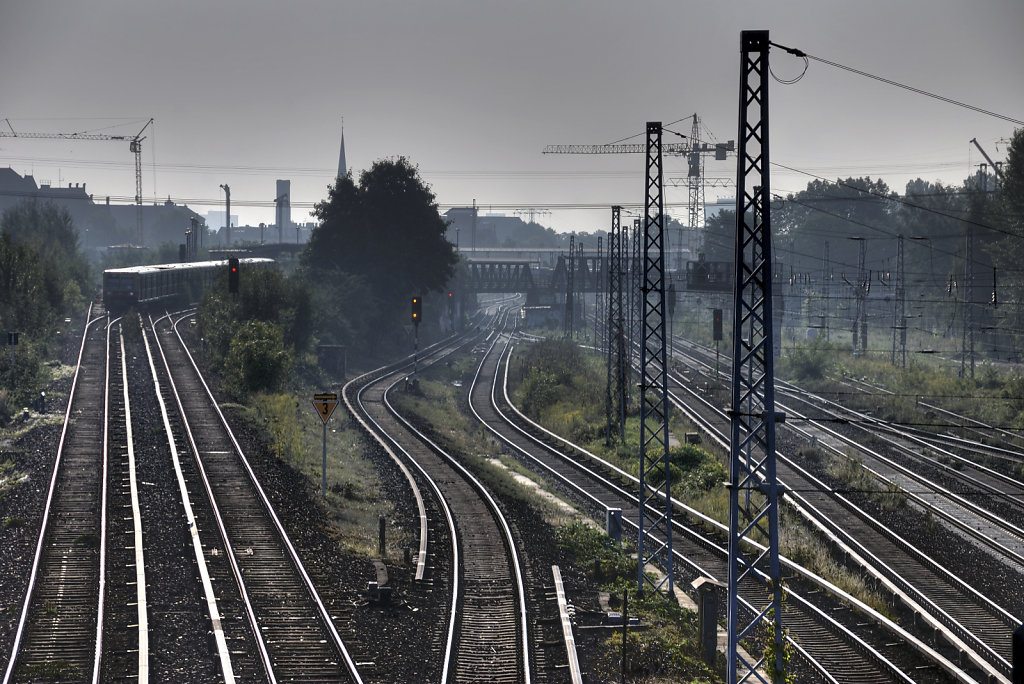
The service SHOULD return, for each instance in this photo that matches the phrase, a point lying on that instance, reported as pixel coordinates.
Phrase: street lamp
(227, 211)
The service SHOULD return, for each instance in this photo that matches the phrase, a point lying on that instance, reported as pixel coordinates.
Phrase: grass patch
(59, 670)
(668, 650)
(293, 432)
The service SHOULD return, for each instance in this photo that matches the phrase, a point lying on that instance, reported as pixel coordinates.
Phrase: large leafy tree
(42, 277)
(386, 228)
(385, 238)
(1008, 252)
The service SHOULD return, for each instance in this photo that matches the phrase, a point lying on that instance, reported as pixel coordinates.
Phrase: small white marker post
(325, 405)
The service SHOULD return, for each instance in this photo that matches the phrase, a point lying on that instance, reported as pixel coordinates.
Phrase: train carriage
(165, 284)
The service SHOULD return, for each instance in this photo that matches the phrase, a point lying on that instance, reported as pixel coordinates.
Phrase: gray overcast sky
(244, 92)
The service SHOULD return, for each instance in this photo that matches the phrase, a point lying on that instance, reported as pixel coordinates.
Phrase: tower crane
(694, 150)
(996, 168)
(134, 145)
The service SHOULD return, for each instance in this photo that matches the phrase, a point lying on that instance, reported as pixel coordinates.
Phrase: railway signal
(716, 327)
(12, 341)
(233, 275)
(417, 316)
(417, 310)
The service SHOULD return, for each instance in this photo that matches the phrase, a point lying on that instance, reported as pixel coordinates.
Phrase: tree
(387, 229)
(48, 231)
(1008, 252)
(385, 237)
(1011, 192)
(257, 359)
(283, 309)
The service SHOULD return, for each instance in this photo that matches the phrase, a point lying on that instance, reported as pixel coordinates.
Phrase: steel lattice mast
(600, 319)
(753, 485)
(654, 542)
(570, 287)
(616, 400)
(899, 323)
(580, 278)
(635, 310)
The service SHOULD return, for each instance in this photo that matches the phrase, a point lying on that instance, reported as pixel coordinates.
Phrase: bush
(811, 361)
(257, 359)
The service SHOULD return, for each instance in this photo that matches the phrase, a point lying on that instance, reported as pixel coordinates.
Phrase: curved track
(824, 641)
(487, 627)
(974, 627)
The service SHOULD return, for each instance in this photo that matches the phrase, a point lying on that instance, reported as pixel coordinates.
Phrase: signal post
(325, 405)
(417, 315)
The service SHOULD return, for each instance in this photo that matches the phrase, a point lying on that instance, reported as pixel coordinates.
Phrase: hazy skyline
(244, 93)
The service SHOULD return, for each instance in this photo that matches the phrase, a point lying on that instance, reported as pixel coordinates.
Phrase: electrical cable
(941, 98)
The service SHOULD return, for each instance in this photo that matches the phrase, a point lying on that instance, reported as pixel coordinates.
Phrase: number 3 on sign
(325, 405)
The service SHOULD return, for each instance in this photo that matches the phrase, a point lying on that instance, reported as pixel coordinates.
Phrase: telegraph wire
(919, 91)
(899, 200)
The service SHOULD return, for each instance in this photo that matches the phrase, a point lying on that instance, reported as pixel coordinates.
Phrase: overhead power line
(887, 81)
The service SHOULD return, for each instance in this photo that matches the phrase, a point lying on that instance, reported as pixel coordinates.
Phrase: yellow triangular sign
(325, 405)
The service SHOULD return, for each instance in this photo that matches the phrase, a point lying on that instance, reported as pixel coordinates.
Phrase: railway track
(292, 630)
(974, 628)
(59, 633)
(828, 645)
(486, 630)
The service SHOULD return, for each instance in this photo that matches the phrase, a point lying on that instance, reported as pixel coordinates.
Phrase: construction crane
(134, 144)
(996, 168)
(694, 150)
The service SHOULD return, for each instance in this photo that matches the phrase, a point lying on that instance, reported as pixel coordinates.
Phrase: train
(709, 276)
(141, 287)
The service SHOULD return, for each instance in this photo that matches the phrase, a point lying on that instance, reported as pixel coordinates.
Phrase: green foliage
(670, 649)
(777, 656)
(257, 359)
(694, 470)
(563, 387)
(42, 278)
(385, 236)
(811, 361)
(595, 551)
(277, 412)
(255, 336)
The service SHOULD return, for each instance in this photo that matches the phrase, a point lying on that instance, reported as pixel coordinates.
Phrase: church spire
(342, 166)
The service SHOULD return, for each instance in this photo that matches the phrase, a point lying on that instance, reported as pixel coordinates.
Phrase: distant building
(104, 224)
(342, 164)
(283, 210)
(215, 220)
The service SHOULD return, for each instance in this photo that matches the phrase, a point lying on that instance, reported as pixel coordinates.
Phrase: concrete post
(707, 616)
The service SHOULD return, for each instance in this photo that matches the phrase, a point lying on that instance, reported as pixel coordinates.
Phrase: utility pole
(570, 286)
(580, 278)
(599, 312)
(899, 322)
(472, 229)
(654, 540)
(227, 212)
(860, 292)
(616, 402)
(636, 324)
(967, 336)
(753, 484)
(826, 280)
